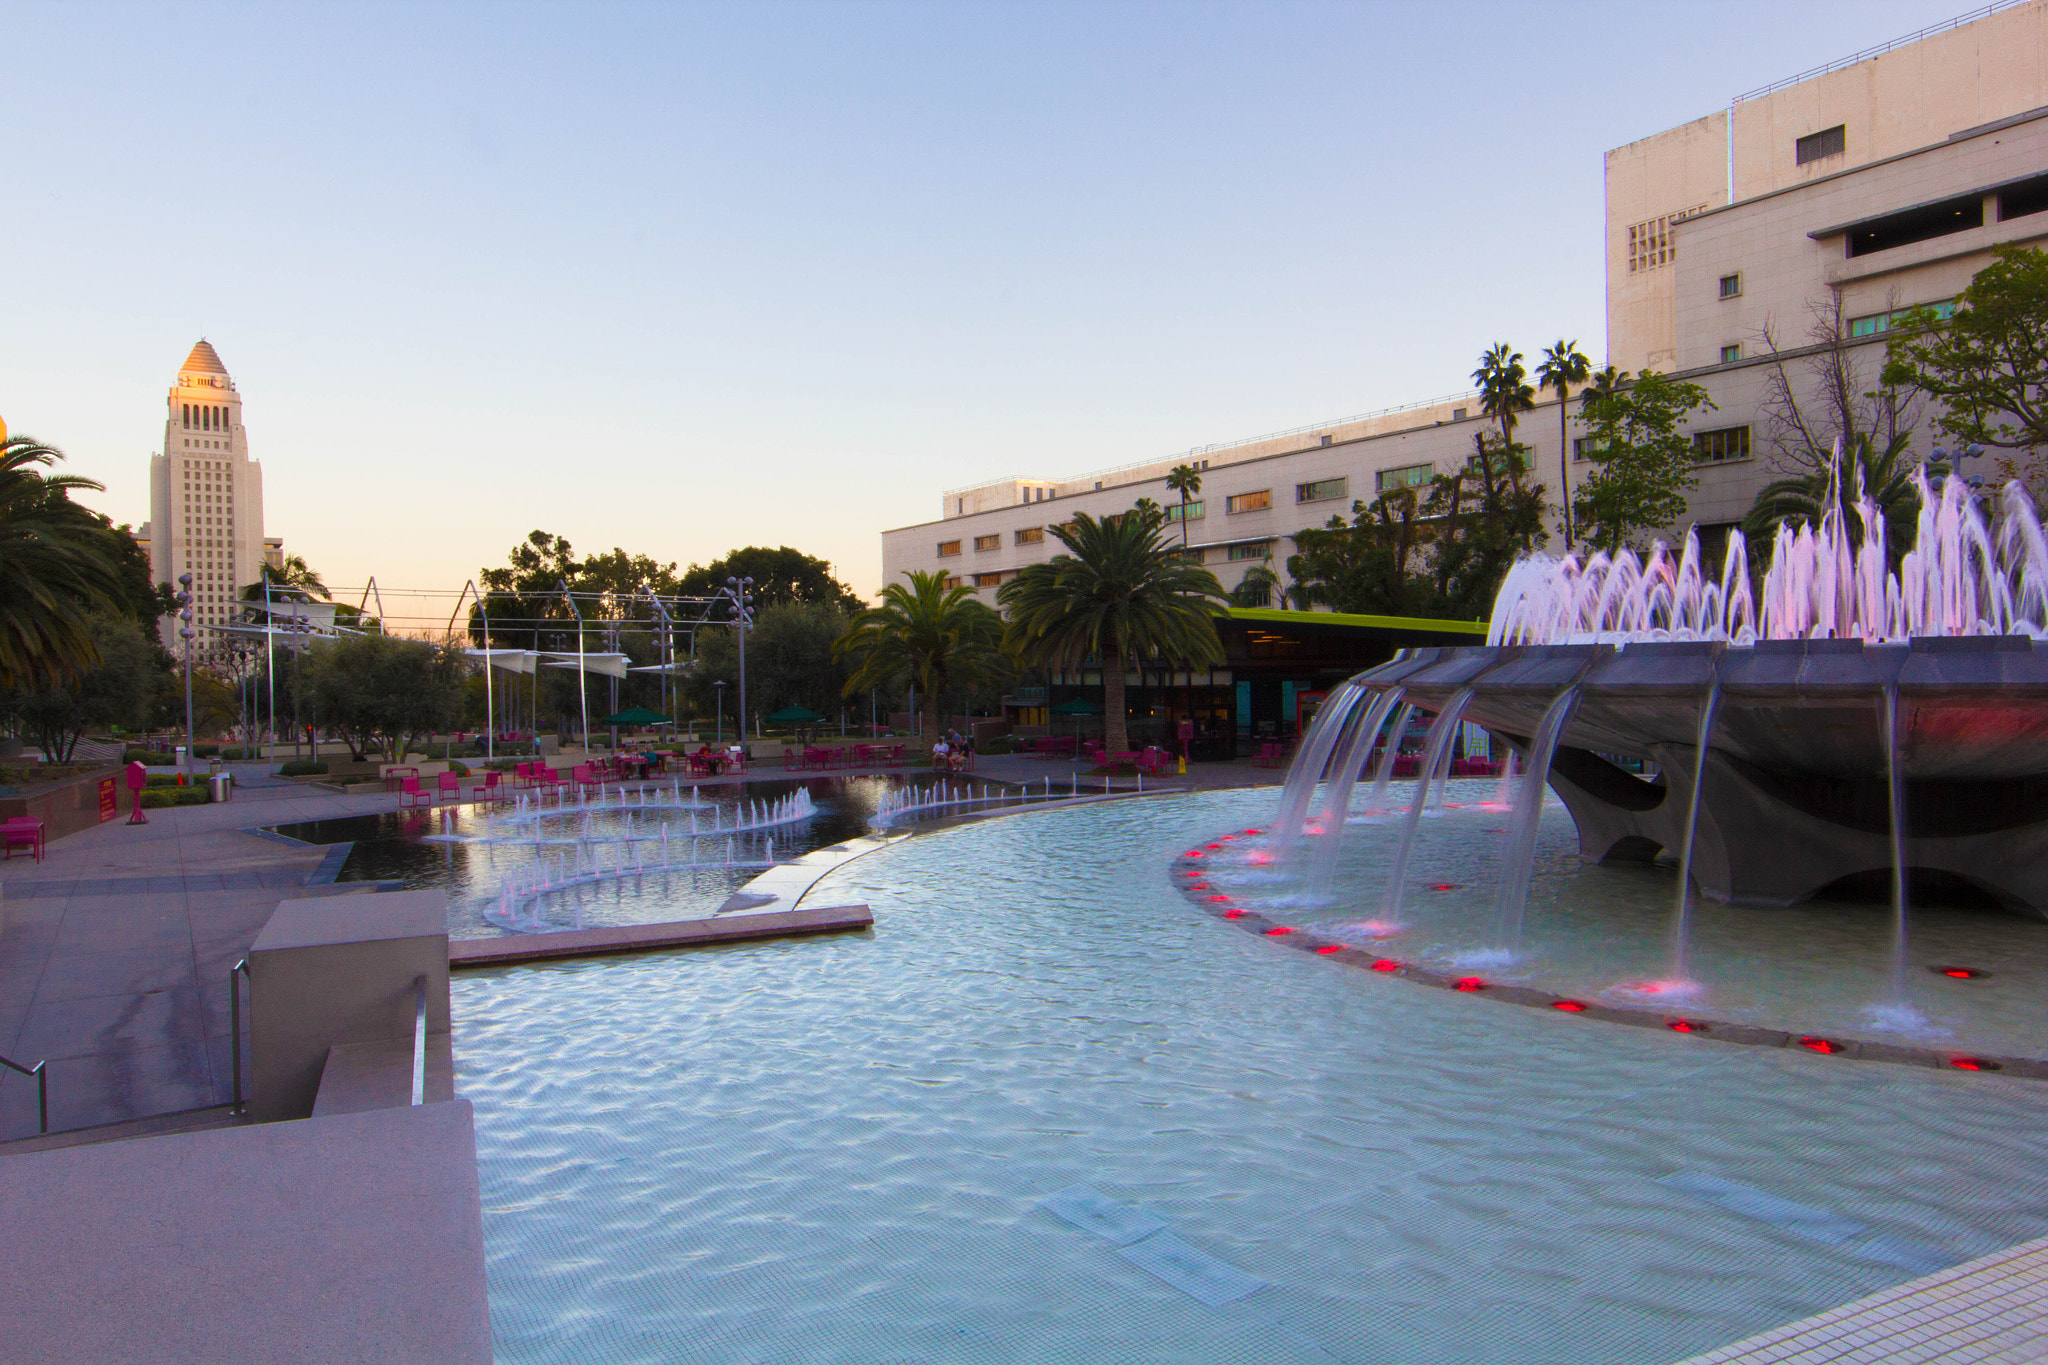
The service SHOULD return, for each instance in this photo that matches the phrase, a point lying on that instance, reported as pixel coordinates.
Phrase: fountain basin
(1794, 795)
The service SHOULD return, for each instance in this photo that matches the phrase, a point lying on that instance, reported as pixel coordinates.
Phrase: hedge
(154, 797)
(304, 767)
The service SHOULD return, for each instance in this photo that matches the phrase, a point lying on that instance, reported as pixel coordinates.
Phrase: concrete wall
(68, 807)
(328, 973)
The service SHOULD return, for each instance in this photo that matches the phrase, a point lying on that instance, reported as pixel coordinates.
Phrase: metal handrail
(236, 975)
(419, 1042)
(42, 1080)
(1840, 63)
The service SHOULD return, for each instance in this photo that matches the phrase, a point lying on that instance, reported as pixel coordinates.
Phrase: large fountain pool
(1047, 1112)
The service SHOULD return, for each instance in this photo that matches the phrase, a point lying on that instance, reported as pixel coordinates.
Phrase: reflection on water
(474, 851)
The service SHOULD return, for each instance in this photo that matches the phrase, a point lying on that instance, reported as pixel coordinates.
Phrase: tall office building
(206, 498)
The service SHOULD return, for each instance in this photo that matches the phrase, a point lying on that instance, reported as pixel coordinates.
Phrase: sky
(679, 278)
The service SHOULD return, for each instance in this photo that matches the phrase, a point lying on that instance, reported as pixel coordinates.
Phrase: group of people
(954, 753)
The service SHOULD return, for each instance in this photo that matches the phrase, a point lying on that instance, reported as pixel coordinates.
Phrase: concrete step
(158, 1125)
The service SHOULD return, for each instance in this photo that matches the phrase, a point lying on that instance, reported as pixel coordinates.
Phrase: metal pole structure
(737, 592)
(186, 633)
(270, 674)
(582, 692)
(720, 694)
(483, 613)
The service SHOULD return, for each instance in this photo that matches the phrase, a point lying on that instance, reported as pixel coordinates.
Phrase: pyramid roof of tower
(205, 359)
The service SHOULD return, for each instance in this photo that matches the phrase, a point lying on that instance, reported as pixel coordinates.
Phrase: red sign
(107, 807)
(1187, 729)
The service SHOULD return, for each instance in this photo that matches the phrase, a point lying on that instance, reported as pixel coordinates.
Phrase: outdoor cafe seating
(23, 831)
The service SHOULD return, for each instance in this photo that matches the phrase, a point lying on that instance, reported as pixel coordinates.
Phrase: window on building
(994, 542)
(1326, 440)
(1585, 448)
(1870, 324)
(988, 580)
(1457, 414)
(2028, 196)
(1257, 549)
(1031, 535)
(1185, 511)
(1321, 490)
(1821, 145)
(1920, 224)
(948, 547)
(1249, 502)
(1407, 476)
(1723, 443)
(1731, 354)
(1246, 596)
(949, 582)
(1731, 286)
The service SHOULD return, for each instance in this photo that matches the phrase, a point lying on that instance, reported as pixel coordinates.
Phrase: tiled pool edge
(1994, 1308)
(1187, 868)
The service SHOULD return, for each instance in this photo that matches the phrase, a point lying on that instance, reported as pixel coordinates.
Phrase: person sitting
(942, 756)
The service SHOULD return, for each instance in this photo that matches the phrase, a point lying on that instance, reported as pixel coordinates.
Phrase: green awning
(793, 715)
(1078, 706)
(638, 715)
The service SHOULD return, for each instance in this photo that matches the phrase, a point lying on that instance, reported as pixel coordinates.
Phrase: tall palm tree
(58, 563)
(1504, 388)
(932, 635)
(1564, 365)
(294, 575)
(1885, 474)
(1122, 595)
(1185, 480)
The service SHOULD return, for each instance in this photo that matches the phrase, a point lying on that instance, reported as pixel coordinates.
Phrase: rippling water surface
(835, 1149)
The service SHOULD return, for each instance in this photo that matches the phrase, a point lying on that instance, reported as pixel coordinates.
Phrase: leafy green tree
(1988, 364)
(1884, 473)
(780, 575)
(926, 634)
(1564, 365)
(116, 690)
(381, 692)
(59, 563)
(1185, 480)
(790, 660)
(1644, 462)
(1120, 594)
(1504, 391)
(1371, 565)
(1259, 587)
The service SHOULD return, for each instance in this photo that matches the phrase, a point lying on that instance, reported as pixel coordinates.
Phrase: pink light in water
(1233, 914)
(1973, 1064)
(1376, 928)
(1826, 1047)
(1386, 964)
(1251, 831)
(1469, 983)
(1219, 898)
(1212, 845)
(1259, 856)
(1329, 948)
(1277, 932)
(1568, 1006)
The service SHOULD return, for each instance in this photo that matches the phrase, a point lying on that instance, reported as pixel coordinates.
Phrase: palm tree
(292, 577)
(934, 636)
(1886, 476)
(1564, 365)
(1504, 388)
(58, 563)
(1121, 595)
(1185, 480)
(1258, 587)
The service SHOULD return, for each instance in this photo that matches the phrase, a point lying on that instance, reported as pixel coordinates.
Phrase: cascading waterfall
(1383, 776)
(1681, 930)
(1436, 749)
(1519, 862)
(1895, 793)
(1301, 781)
(1337, 790)
(1504, 790)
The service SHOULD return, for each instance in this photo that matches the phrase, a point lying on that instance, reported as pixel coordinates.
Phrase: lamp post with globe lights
(187, 634)
(738, 593)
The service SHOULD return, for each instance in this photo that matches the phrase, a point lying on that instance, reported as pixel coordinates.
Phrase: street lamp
(738, 595)
(187, 634)
(720, 694)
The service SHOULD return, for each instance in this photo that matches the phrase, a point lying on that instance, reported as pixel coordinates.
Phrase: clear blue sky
(684, 277)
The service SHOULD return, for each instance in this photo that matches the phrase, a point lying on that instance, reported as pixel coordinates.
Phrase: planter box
(90, 799)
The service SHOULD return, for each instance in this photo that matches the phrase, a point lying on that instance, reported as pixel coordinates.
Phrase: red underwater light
(1469, 983)
(1826, 1047)
(1973, 1064)
(1684, 1026)
(1960, 973)
(1226, 838)
(1279, 930)
(1233, 914)
(1219, 897)
(1198, 886)
(1329, 948)
(1386, 964)
(1568, 1006)
(1212, 845)
(1251, 831)
(1445, 886)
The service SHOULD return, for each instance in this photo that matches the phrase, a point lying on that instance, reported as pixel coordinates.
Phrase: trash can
(220, 786)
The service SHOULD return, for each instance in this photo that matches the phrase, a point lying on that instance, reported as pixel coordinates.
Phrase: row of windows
(1322, 490)
(1407, 476)
(1185, 511)
(1708, 447)
(1650, 245)
(1248, 502)
(205, 417)
(1872, 323)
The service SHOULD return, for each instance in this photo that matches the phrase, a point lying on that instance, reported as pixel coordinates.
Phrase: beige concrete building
(206, 497)
(1842, 196)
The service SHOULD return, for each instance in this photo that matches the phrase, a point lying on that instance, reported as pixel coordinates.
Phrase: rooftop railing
(1841, 63)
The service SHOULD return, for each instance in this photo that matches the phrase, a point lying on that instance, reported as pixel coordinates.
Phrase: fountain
(1839, 720)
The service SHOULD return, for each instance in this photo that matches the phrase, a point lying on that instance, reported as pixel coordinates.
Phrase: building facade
(206, 499)
(1783, 236)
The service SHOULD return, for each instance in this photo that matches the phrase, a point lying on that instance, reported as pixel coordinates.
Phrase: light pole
(187, 634)
(738, 594)
(720, 694)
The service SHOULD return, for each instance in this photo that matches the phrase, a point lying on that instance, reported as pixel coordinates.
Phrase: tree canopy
(1644, 463)
(780, 575)
(59, 563)
(927, 634)
(381, 692)
(116, 690)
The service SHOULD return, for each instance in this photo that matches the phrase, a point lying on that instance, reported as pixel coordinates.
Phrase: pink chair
(409, 793)
(490, 789)
(447, 787)
(23, 831)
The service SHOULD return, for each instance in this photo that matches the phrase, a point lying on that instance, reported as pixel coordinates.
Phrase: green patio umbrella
(638, 715)
(794, 715)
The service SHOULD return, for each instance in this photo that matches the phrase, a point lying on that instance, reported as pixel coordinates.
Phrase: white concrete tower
(205, 497)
